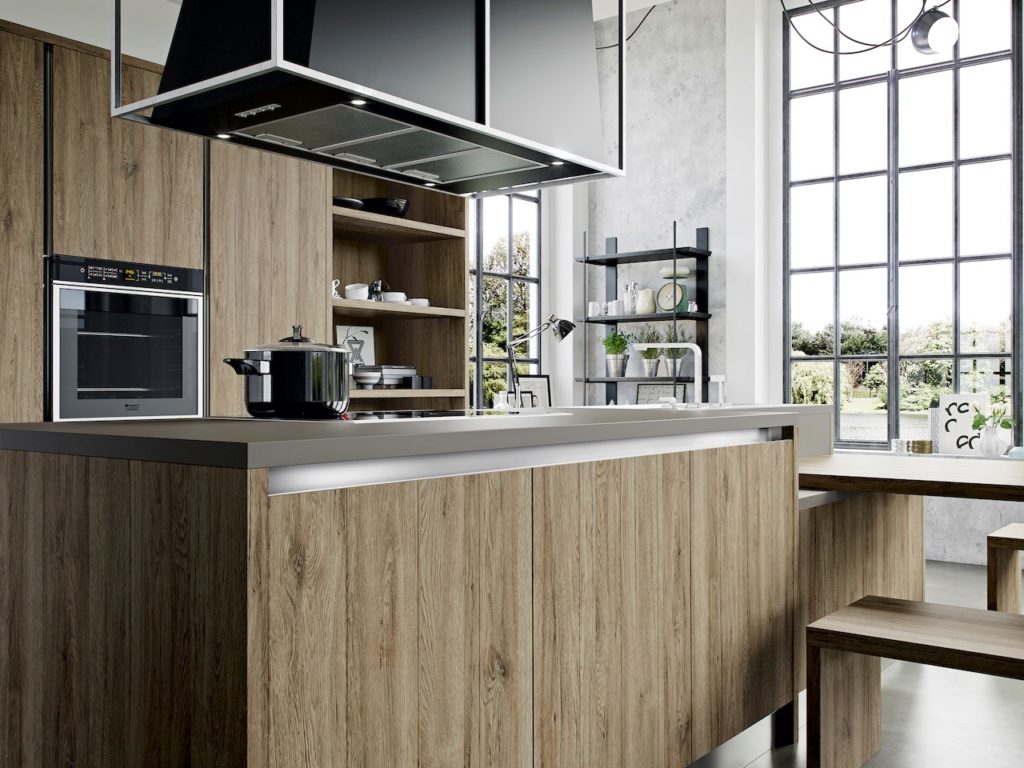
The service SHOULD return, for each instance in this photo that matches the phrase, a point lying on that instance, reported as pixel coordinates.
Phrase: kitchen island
(587, 587)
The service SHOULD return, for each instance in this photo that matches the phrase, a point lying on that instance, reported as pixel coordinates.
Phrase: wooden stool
(1004, 548)
(844, 673)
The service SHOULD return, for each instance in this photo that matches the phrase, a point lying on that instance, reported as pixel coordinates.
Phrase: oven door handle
(245, 367)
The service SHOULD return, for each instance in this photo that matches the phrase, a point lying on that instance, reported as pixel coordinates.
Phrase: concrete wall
(675, 155)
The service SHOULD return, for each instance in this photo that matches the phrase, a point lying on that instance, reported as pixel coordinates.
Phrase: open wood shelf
(388, 230)
(394, 394)
(360, 308)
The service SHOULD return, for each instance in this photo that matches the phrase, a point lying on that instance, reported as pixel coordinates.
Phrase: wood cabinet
(21, 227)
(423, 255)
(270, 245)
(121, 190)
(612, 613)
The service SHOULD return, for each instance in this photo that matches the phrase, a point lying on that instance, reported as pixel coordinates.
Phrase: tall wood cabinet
(121, 190)
(21, 233)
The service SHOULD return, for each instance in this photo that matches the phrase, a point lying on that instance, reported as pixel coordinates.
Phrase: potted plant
(992, 422)
(650, 357)
(673, 357)
(615, 345)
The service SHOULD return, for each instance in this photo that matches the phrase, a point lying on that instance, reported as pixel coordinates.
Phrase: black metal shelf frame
(611, 260)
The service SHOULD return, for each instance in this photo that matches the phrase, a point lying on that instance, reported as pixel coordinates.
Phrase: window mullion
(893, 400)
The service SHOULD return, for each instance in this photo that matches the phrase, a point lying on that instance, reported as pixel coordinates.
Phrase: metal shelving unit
(610, 261)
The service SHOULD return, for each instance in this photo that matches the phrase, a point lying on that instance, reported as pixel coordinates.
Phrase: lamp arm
(530, 334)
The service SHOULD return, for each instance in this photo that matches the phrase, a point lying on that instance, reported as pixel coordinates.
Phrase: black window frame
(477, 275)
(892, 78)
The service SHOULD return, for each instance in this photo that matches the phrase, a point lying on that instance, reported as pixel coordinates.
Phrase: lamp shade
(935, 32)
(561, 328)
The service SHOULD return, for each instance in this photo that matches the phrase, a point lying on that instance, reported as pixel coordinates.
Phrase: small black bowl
(388, 206)
(349, 202)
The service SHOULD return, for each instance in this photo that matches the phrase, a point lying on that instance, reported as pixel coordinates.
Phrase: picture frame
(651, 394)
(362, 353)
(534, 392)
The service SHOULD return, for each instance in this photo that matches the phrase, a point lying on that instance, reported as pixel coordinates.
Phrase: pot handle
(245, 367)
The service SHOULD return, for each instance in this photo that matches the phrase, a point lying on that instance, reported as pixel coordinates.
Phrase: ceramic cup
(616, 308)
(357, 291)
(594, 308)
(334, 288)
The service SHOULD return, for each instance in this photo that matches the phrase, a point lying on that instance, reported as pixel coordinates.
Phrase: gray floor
(932, 717)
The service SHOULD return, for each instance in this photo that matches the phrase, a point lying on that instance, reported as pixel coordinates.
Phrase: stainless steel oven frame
(54, 348)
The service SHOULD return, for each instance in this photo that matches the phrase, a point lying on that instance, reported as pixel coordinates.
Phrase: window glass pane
(812, 310)
(812, 382)
(926, 119)
(986, 111)
(864, 221)
(908, 56)
(868, 21)
(494, 317)
(811, 121)
(807, 66)
(525, 317)
(926, 309)
(985, 299)
(991, 375)
(471, 316)
(495, 380)
(811, 230)
(863, 129)
(926, 215)
(863, 311)
(864, 391)
(524, 238)
(986, 211)
(495, 233)
(984, 27)
(921, 383)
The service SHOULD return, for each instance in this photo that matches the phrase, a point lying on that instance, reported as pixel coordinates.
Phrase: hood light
(558, 162)
(223, 136)
(358, 102)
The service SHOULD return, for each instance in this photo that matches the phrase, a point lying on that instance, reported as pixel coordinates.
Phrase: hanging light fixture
(935, 32)
(931, 31)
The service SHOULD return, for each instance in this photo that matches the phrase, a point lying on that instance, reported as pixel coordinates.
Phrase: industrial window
(505, 291)
(902, 215)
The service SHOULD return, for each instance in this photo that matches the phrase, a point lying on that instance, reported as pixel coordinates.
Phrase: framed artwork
(534, 392)
(651, 394)
(358, 340)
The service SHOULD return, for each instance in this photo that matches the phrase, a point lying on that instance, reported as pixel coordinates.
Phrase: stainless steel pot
(297, 378)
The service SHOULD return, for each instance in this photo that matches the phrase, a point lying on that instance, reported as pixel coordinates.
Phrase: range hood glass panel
(405, 148)
(327, 127)
(480, 162)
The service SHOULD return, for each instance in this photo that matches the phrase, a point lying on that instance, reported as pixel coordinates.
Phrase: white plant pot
(993, 444)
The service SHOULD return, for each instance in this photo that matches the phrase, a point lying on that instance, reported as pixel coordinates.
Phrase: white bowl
(394, 296)
(420, 302)
(357, 291)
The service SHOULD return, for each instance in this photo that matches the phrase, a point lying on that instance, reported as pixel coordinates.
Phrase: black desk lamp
(559, 329)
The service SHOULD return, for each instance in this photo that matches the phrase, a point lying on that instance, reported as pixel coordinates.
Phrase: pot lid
(297, 343)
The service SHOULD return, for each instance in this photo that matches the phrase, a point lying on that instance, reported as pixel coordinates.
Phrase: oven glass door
(124, 354)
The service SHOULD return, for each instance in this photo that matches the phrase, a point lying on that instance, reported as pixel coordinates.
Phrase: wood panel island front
(592, 587)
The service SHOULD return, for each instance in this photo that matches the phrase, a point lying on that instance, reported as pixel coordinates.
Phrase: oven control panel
(75, 269)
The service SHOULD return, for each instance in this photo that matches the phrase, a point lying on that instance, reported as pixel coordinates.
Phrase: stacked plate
(382, 376)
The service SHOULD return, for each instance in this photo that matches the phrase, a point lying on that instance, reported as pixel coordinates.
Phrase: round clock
(672, 296)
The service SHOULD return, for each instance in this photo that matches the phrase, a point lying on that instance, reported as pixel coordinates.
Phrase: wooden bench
(844, 652)
(1004, 548)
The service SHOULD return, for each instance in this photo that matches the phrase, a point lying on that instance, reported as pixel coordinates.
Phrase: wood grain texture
(388, 230)
(869, 544)
(123, 613)
(122, 190)
(1004, 588)
(967, 478)
(844, 691)
(742, 567)
(611, 613)
(270, 245)
(76, 45)
(21, 228)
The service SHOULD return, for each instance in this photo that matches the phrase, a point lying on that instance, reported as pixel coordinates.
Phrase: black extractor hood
(466, 96)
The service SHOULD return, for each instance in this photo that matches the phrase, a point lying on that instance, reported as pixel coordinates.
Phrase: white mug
(334, 288)
(594, 308)
(616, 308)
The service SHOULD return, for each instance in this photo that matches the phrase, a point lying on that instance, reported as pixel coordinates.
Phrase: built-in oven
(124, 340)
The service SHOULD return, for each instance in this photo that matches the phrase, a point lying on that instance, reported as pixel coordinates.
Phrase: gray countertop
(250, 443)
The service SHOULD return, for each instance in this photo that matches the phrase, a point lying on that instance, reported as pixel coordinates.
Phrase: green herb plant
(648, 335)
(616, 342)
(998, 413)
(675, 336)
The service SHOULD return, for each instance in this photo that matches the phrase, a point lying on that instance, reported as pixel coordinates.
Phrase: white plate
(420, 302)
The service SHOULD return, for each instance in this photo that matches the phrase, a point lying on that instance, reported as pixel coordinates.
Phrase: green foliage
(812, 383)
(856, 338)
(616, 342)
(648, 335)
(674, 335)
(997, 414)
(877, 379)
